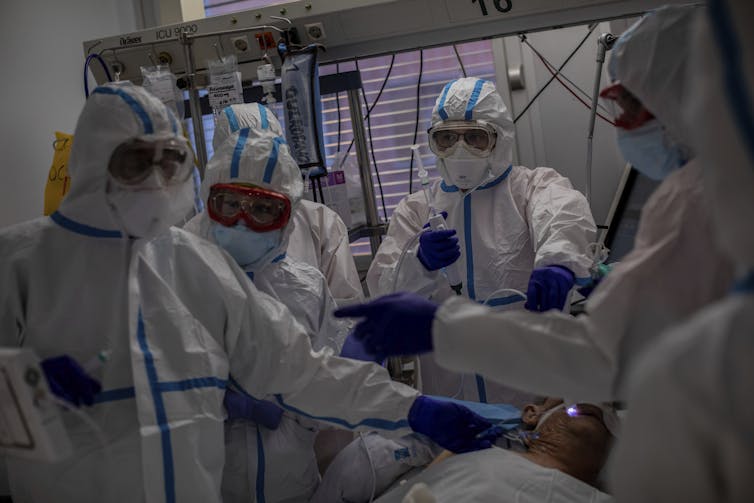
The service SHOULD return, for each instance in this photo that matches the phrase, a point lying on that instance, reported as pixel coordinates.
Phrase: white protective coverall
(689, 433)
(521, 219)
(319, 237)
(177, 316)
(673, 270)
(285, 465)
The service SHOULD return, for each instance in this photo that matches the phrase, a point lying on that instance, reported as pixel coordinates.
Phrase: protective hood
(721, 119)
(265, 162)
(258, 118)
(113, 113)
(651, 60)
(476, 99)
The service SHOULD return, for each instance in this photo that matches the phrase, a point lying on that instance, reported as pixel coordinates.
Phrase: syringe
(436, 221)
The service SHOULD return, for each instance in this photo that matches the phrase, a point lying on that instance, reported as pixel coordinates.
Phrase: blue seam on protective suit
(197, 382)
(237, 151)
(504, 301)
(278, 258)
(114, 395)
(383, 424)
(78, 228)
(583, 281)
(263, 117)
(730, 51)
(250, 275)
(468, 246)
(441, 105)
(135, 106)
(452, 188)
(272, 161)
(232, 120)
(473, 99)
(260, 467)
(161, 416)
(481, 388)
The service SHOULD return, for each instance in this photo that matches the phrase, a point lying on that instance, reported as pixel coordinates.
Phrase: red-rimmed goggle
(633, 114)
(260, 209)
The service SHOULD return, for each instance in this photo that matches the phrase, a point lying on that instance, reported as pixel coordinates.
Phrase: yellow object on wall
(58, 181)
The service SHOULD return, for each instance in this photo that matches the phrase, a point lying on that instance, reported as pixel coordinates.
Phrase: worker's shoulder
(24, 235)
(317, 214)
(299, 273)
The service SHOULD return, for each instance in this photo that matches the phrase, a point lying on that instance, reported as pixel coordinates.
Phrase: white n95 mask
(464, 169)
(148, 212)
(247, 247)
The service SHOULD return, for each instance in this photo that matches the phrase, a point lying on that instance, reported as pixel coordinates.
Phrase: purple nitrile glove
(451, 425)
(438, 249)
(548, 288)
(393, 325)
(354, 348)
(67, 380)
(240, 406)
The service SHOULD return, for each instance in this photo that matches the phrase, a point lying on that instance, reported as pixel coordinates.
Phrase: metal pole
(605, 42)
(196, 111)
(365, 171)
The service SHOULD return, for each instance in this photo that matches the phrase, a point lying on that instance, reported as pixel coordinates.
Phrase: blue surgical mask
(244, 245)
(650, 150)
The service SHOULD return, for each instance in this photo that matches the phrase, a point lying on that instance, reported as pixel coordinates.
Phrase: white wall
(41, 88)
(554, 131)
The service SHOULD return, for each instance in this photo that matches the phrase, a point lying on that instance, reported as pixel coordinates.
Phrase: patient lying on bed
(560, 452)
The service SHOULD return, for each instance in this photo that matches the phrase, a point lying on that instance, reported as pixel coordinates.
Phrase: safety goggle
(133, 161)
(633, 114)
(261, 210)
(478, 137)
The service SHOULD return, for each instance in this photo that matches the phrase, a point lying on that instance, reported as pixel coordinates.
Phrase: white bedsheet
(498, 475)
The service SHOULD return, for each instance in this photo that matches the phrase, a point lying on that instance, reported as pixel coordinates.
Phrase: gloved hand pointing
(451, 425)
(393, 325)
(354, 348)
(548, 288)
(67, 380)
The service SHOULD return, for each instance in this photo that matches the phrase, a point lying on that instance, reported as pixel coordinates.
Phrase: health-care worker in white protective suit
(673, 270)
(318, 236)
(510, 227)
(252, 186)
(173, 316)
(689, 432)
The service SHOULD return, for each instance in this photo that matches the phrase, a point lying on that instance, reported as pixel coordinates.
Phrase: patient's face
(580, 432)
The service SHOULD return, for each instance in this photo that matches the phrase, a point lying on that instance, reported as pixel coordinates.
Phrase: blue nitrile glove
(548, 288)
(354, 348)
(451, 425)
(67, 380)
(393, 325)
(262, 412)
(438, 249)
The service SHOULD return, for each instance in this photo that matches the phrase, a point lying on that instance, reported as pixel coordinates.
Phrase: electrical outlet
(315, 31)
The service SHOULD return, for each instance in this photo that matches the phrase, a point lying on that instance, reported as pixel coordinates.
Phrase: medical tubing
(337, 104)
(460, 63)
(555, 75)
(542, 89)
(379, 94)
(416, 123)
(561, 74)
(86, 67)
(404, 251)
(371, 466)
(371, 146)
(98, 434)
(501, 290)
